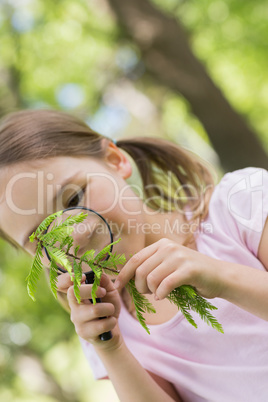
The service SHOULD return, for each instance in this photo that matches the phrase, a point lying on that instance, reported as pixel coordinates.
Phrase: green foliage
(78, 276)
(44, 225)
(185, 297)
(53, 275)
(141, 303)
(96, 283)
(228, 37)
(35, 272)
(60, 232)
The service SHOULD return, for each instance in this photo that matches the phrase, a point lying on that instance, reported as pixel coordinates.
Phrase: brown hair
(38, 134)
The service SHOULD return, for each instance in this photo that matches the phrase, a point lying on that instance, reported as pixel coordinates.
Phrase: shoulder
(245, 179)
(240, 202)
(243, 192)
(237, 188)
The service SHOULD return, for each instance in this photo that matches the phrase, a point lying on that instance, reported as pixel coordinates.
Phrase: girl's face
(31, 191)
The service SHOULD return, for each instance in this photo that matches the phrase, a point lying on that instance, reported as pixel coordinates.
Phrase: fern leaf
(35, 272)
(186, 298)
(113, 261)
(77, 279)
(96, 283)
(68, 241)
(141, 304)
(76, 250)
(56, 235)
(44, 225)
(60, 258)
(105, 251)
(73, 219)
(118, 259)
(53, 278)
(63, 229)
(88, 255)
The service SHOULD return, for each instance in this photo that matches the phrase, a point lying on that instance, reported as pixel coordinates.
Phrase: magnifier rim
(100, 216)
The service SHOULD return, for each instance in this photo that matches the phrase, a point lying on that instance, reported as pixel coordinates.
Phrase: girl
(182, 229)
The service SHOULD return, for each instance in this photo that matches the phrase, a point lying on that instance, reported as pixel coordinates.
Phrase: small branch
(79, 259)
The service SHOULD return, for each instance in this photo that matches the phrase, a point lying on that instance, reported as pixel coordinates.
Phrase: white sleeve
(245, 194)
(93, 359)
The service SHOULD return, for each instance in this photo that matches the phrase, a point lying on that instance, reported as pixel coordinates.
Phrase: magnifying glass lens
(91, 234)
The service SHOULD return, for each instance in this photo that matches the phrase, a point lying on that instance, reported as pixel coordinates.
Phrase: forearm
(245, 287)
(130, 380)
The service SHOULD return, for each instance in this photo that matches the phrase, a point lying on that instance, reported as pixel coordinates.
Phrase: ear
(117, 160)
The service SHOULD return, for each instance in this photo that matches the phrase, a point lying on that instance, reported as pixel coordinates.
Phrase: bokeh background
(194, 72)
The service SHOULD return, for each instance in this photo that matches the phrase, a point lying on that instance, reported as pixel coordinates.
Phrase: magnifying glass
(94, 233)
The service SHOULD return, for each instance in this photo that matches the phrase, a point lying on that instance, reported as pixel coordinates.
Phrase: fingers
(150, 266)
(85, 316)
(95, 329)
(129, 270)
(149, 274)
(159, 274)
(83, 313)
(64, 281)
(107, 283)
(85, 294)
(171, 279)
(86, 319)
(167, 285)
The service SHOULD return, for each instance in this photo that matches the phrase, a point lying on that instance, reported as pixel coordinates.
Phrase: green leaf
(73, 219)
(96, 283)
(88, 255)
(35, 272)
(105, 251)
(186, 298)
(59, 258)
(68, 241)
(53, 278)
(76, 250)
(44, 225)
(59, 229)
(141, 304)
(113, 261)
(77, 279)
(57, 234)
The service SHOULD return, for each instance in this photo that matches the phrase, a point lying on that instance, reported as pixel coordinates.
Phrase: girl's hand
(85, 316)
(165, 265)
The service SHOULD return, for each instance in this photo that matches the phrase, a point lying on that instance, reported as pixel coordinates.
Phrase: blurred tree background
(194, 72)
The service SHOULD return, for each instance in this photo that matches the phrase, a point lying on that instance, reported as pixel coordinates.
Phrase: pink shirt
(203, 364)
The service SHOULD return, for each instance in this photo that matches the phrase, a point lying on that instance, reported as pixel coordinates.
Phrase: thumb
(64, 281)
(107, 283)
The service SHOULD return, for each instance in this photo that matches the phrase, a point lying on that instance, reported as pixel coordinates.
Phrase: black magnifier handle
(106, 336)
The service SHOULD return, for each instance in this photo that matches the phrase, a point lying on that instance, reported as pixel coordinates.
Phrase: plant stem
(79, 259)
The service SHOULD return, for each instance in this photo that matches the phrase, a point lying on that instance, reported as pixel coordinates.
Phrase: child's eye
(76, 199)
